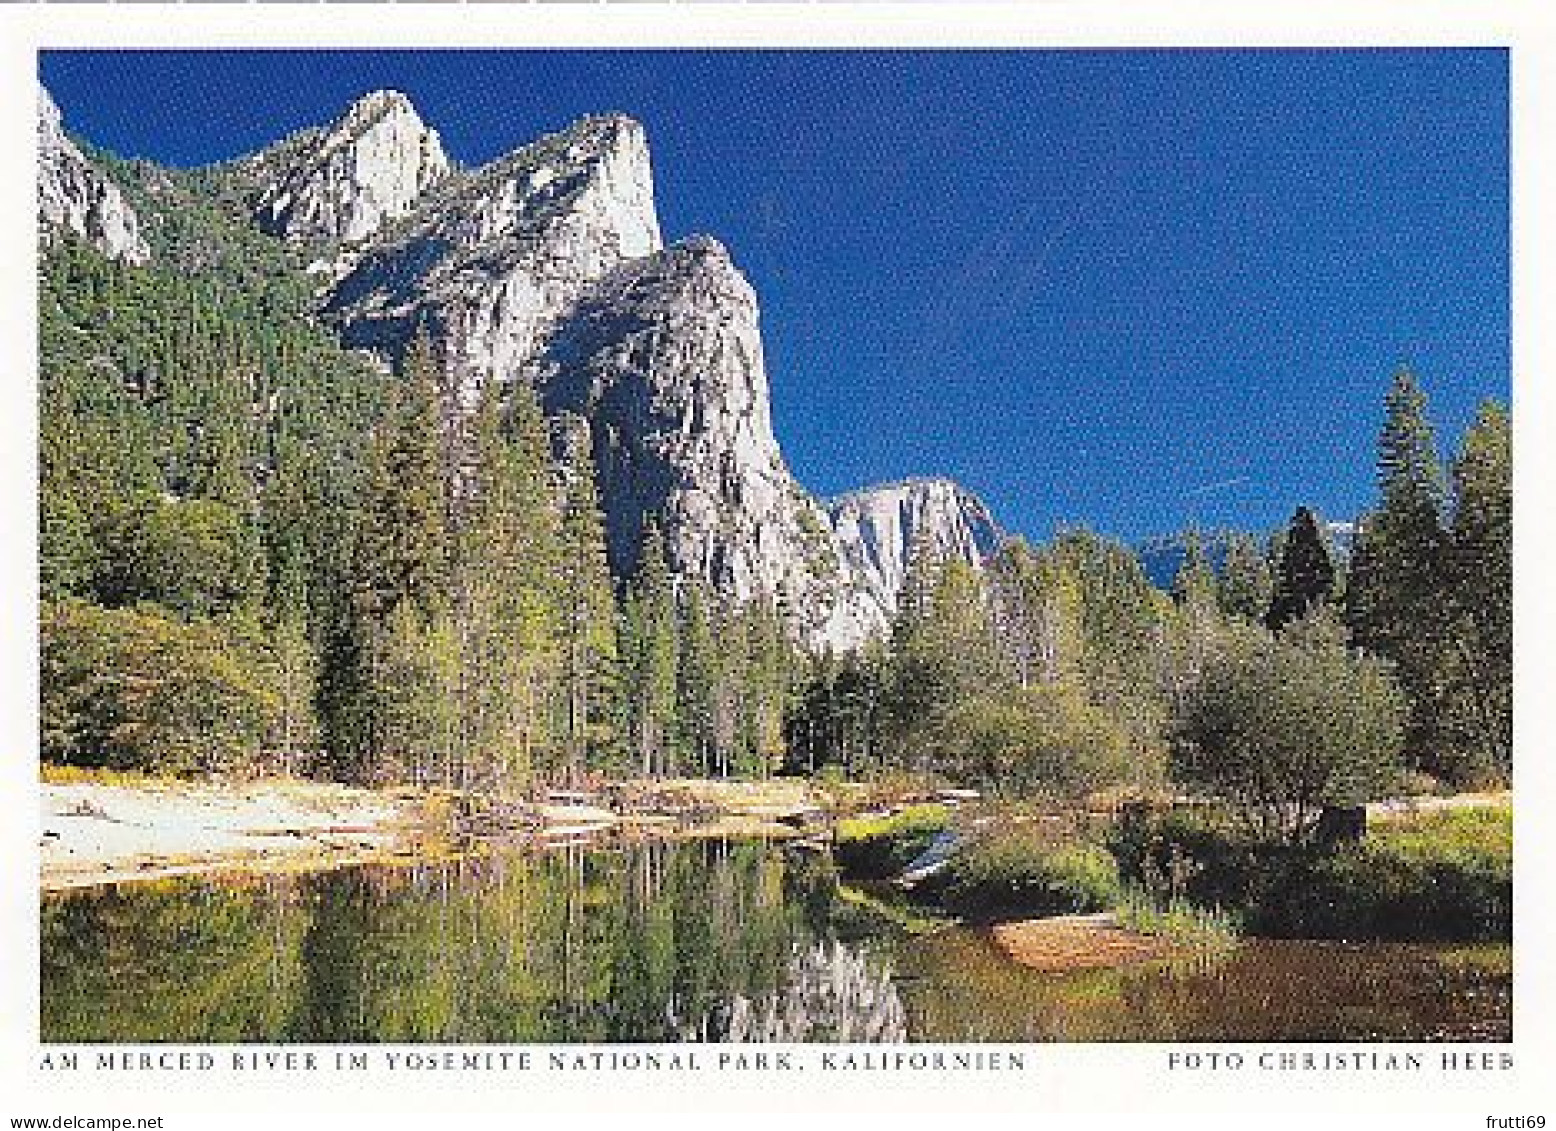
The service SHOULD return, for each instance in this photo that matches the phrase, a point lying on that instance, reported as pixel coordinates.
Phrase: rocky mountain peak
(372, 108)
(694, 274)
(663, 357)
(73, 193)
(492, 257)
(343, 183)
(879, 527)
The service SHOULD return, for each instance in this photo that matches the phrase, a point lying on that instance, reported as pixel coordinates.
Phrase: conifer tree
(760, 682)
(651, 665)
(535, 535)
(1481, 581)
(1398, 591)
(697, 679)
(490, 602)
(399, 584)
(1246, 585)
(920, 574)
(1305, 578)
(65, 551)
(404, 553)
(588, 623)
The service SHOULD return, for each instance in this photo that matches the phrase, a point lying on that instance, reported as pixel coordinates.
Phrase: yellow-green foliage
(913, 819)
(138, 689)
(1480, 836)
(884, 845)
(1040, 740)
(57, 773)
(1030, 870)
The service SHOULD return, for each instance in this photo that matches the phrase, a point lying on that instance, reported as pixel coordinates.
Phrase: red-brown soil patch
(1078, 942)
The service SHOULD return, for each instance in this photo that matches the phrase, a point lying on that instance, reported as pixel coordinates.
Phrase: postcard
(779, 562)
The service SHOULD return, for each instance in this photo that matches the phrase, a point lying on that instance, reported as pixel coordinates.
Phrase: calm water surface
(674, 941)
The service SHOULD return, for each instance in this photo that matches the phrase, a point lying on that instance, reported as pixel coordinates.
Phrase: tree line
(257, 553)
(1290, 676)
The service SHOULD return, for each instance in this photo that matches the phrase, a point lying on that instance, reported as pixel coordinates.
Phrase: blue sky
(1129, 289)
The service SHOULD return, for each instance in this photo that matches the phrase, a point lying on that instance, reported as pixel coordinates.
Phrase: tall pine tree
(651, 664)
(399, 593)
(1398, 592)
(1306, 575)
(588, 617)
(1481, 573)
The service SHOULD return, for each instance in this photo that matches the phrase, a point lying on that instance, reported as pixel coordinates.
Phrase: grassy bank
(1443, 875)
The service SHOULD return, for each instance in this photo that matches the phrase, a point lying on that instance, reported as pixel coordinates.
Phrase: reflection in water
(959, 986)
(830, 993)
(672, 941)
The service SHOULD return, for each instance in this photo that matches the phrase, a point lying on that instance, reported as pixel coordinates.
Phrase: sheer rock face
(547, 266)
(73, 193)
(342, 184)
(493, 257)
(878, 528)
(663, 359)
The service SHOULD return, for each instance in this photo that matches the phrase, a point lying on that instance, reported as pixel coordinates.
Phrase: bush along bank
(1438, 876)
(1193, 876)
(880, 847)
(1030, 866)
(1024, 871)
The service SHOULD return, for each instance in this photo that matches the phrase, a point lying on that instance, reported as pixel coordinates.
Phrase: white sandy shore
(99, 832)
(95, 833)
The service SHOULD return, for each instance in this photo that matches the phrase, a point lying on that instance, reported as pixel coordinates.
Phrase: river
(685, 940)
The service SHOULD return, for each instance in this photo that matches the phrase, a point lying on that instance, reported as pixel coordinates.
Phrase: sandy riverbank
(1064, 943)
(97, 832)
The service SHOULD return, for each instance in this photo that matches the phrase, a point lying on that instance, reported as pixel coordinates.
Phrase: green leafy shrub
(878, 847)
(1026, 871)
(1280, 727)
(135, 689)
(1048, 740)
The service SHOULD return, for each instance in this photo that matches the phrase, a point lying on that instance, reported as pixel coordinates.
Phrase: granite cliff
(75, 194)
(547, 266)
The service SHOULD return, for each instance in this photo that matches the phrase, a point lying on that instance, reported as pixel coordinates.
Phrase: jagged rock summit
(491, 259)
(878, 529)
(343, 183)
(547, 266)
(73, 193)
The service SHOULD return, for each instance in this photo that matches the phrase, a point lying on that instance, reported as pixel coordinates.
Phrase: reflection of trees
(663, 941)
(173, 960)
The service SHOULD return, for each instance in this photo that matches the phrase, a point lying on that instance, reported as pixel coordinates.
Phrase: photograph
(801, 546)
